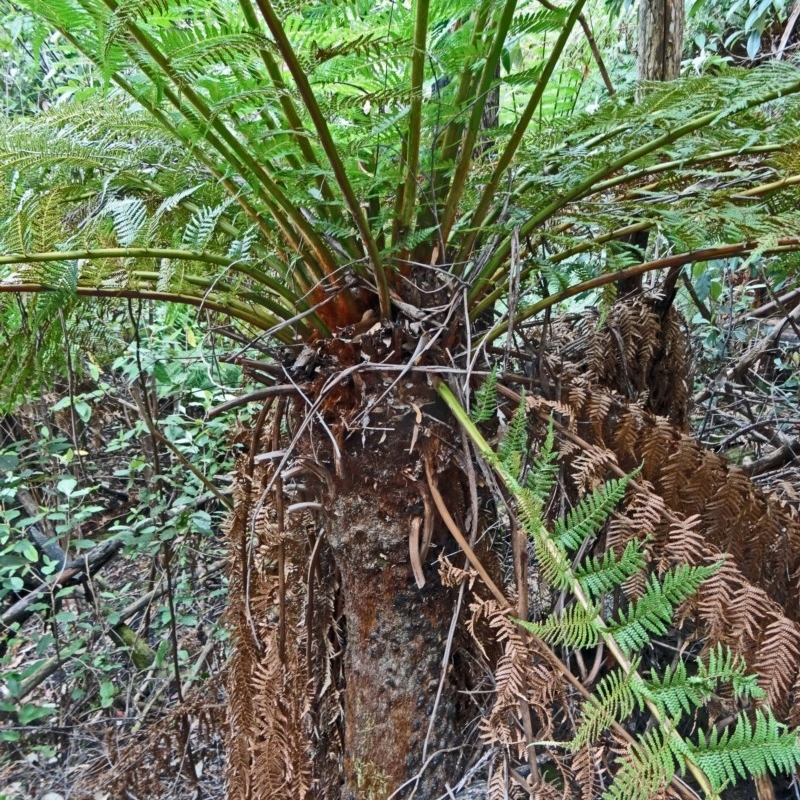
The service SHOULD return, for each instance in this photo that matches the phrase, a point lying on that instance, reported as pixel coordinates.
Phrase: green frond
(129, 215)
(196, 51)
(745, 749)
(554, 563)
(591, 513)
(239, 249)
(540, 20)
(543, 471)
(415, 238)
(651, 614)
(678, 692)
(201, 226)
(597, 576)
(576, 627)
(675, 692)
(514, 444)
(613, 699)
(485, 404)
(650, 766)
(722, 665)
(174, 200)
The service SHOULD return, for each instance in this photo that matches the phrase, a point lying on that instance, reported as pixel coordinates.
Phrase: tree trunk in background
(660, 47)
(660, 40)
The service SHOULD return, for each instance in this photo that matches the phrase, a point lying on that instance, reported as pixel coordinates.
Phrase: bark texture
(338, 651)
(395, 632)
(661, 25)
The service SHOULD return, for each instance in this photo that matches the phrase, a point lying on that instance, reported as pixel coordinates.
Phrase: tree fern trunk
(395, 632)
(344, 712)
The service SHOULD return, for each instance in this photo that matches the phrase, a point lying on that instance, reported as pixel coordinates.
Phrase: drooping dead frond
(522, 674)
(778, 661)
(732, 515)
(589, 771)
(282, 697)
(639, 351)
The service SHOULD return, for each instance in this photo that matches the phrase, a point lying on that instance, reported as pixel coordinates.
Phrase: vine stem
(462, 416)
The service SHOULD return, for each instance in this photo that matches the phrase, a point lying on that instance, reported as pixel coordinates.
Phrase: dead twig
(462, 541)
(251, 397)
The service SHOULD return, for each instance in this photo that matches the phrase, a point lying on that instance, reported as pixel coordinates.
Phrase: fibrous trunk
(338, 666)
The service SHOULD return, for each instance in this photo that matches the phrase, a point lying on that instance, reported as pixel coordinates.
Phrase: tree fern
(300, 167)
(215, 88)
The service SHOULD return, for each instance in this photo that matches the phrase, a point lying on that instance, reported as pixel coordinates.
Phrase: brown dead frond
(521, 674)
(589, 771)
(282, 699)
(778, 661)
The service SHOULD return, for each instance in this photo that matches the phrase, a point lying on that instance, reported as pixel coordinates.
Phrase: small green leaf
(28, 551)
(9, 461)
(201, 520)
(83, 410)
(67, 485)
(107, 693)
(30, 712)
